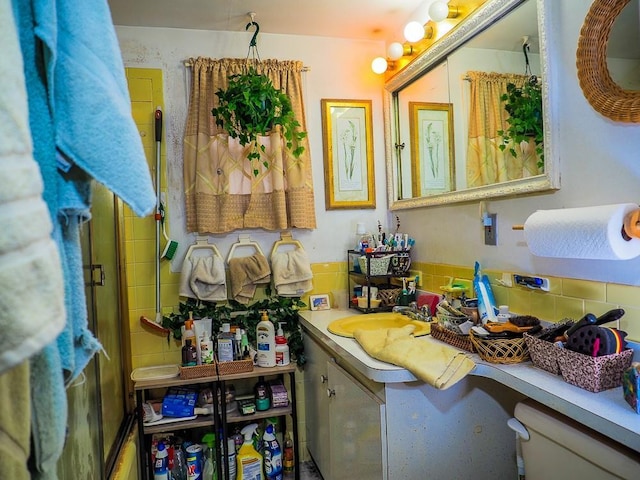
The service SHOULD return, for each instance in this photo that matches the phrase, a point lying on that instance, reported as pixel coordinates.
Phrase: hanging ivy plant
(280, 309)
(524, 106)
(252, 106)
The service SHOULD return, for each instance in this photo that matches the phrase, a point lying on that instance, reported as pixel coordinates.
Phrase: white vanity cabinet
(346, 422)
(361, 425)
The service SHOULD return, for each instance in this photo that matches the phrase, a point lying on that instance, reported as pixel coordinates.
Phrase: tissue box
(631, 386)
(179, 402)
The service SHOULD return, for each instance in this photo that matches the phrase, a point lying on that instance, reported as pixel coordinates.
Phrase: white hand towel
(208, 281)
(292, 273)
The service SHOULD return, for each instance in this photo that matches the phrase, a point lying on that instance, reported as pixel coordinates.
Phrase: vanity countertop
(606, 412)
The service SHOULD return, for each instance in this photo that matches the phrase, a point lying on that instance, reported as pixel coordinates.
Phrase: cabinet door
(317, 404)
(358, 429)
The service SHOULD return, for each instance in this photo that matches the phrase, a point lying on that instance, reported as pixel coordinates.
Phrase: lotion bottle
(266, 342)
(282, 349)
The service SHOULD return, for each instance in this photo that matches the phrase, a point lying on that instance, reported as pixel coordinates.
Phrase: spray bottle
(272, 454)
(249, 462)
(209, 470)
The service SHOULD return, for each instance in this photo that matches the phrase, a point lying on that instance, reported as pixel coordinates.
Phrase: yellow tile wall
(567, 297)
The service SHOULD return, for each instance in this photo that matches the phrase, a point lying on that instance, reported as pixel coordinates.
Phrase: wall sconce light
(397, 50)
(379, 65)
(413, 32)
(438, 11)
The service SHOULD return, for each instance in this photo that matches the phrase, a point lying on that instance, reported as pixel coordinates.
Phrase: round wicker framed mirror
(604, 95)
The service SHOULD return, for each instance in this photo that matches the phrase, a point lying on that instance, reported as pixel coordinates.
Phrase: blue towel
(91, 104)
(82, 128)
(48, 395)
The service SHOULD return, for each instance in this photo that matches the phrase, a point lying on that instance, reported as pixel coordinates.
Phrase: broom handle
(158, 131)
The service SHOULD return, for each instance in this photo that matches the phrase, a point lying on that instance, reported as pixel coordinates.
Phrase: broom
(157, 324)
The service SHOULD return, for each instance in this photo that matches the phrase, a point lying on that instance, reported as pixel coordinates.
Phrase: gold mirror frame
(604, 95)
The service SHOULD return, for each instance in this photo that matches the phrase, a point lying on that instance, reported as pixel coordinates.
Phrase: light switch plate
(490, 230)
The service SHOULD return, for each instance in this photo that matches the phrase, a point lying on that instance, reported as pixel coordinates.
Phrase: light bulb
(395, 51)
(379, 65)
(438, 11)
(414, 31)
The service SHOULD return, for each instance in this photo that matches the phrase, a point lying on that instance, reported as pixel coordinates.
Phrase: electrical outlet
(490, 228)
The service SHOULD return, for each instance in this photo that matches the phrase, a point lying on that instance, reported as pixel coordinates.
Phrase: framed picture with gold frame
(348, 154)
(431, 130)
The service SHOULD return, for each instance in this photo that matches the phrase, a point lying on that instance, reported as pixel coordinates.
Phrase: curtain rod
(188, 64)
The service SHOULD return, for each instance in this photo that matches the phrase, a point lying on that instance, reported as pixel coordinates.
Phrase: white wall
(599, 164)
(339, 69)
(598, 158)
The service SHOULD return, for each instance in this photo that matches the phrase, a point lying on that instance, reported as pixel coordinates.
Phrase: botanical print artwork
(348, 154)
(350, 169)
(431, 129)
(433, 134)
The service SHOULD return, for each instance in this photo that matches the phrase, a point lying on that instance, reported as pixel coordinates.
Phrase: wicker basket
(500, 350)
(198, 371)
(238, 366)
(460, 341)
(389, 296)
(216, 369)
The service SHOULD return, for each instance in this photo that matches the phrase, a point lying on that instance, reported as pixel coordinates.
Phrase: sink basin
(374, 321)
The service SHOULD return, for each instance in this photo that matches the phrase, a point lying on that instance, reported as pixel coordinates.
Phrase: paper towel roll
(588, 233)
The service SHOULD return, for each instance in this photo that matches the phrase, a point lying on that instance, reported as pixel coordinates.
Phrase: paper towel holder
(630, 227)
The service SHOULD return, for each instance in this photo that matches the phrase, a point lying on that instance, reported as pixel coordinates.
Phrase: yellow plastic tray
(345, 327)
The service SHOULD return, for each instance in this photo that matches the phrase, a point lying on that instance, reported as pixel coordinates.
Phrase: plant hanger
(527, 66)
(253, 44)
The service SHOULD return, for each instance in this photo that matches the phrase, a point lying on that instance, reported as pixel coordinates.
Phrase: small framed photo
(320, 302)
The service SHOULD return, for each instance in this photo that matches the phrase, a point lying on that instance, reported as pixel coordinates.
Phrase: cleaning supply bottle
(266, 341)
(272, 454)
(225, 344)
(282, 349)
(288, 460)
(262, 393)
(179, 469)
(249, 463)
(161, 464)
(209, 470)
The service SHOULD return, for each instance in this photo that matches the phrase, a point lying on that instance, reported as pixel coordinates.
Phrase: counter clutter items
(606, 412)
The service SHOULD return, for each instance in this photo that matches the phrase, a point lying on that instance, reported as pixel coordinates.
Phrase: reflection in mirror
(466, 73)
(623, 48)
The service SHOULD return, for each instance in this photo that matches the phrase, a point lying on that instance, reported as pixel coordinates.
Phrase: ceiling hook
(254, 24)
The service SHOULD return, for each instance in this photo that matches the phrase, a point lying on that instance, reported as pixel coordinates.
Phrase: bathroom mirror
(490, 39)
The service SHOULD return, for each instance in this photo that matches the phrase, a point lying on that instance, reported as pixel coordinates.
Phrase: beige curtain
(486, 163)
(222, 194)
